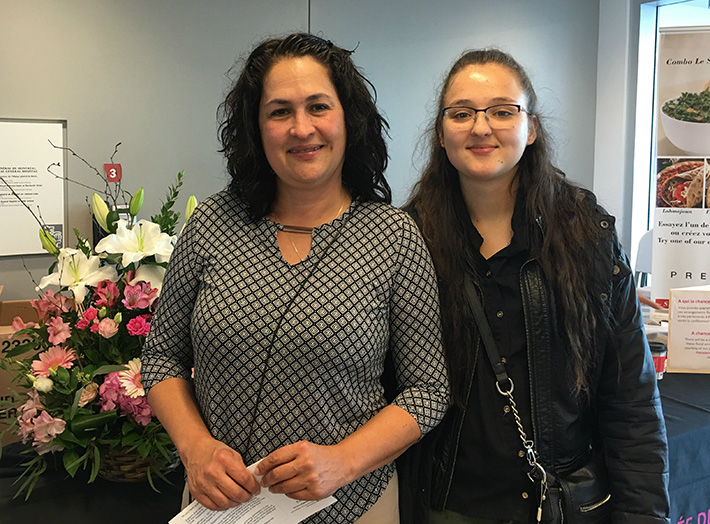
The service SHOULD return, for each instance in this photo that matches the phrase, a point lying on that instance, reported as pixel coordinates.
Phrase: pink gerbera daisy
(52, 359)
(131, 379)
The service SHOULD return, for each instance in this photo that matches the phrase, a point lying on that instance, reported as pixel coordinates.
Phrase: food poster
(681, 225)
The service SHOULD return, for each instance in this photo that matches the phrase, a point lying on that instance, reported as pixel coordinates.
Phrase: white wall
(407, 47)
(146, 73)
(150, 74)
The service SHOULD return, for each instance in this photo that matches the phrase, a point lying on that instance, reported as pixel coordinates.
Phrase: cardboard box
(9, 309)
(689, 330)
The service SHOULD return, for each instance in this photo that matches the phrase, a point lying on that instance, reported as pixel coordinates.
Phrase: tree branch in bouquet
(118, 198)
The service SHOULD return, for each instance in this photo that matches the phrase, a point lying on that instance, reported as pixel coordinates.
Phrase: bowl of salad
(686, 121)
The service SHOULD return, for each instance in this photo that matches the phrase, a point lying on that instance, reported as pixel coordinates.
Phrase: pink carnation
(106, 294)
(52, 359)
(88, 394)
(87, 318)
(140, 296)
(58, 331)
(106, 328)
(90, 314)
(138, 326)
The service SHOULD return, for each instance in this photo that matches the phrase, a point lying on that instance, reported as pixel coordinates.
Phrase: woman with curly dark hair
(550, 370)
(287, 292)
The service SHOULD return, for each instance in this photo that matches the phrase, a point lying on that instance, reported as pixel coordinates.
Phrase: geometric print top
(283, 353)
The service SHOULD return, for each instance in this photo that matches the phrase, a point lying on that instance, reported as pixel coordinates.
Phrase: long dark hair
(564, 211)
(253, 180)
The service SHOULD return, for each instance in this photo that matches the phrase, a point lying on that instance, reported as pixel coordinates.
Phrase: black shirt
(490, 475)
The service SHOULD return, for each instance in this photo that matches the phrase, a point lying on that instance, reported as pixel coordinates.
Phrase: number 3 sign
(113, 172)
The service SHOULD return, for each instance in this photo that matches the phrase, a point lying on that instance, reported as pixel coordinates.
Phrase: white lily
(149, 273)
(142, 240)
(76, 271)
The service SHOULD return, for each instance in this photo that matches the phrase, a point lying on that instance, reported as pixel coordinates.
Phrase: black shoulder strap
(486, 334)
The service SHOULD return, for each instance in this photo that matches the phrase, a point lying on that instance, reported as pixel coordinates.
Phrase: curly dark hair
(366, 158)
(562, 208)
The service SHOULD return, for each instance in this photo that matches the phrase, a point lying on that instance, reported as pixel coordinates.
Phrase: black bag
(582, 497)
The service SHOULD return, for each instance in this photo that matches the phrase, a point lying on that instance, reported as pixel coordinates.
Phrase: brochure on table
(689, 330)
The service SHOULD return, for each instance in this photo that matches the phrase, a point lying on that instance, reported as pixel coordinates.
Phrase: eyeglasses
(499, 116)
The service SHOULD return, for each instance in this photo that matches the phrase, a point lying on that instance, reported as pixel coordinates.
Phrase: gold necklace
(304, 230)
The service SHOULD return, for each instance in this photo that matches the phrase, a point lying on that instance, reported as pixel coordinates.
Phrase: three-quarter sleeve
(415, 336)
(167, 352)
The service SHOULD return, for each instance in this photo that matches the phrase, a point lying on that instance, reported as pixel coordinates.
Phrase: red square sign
(113, 172)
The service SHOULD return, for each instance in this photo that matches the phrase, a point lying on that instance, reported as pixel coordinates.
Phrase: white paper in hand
(271, 508)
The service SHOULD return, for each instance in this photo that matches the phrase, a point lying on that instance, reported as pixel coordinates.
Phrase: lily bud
(48, 242)
(100, 211)
(136, 203)
(191, 205)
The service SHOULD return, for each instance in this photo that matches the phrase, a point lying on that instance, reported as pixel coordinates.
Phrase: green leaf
(72, 461)
(103, 370)
(62, 375)
(96, 464)
(22, 349)
(150, 481)
(111, 221)
(82, 423)
(75, 403)
(64, 390)
(144, 448)
(33, 469)
(130, 439)
(167, 219)
(67, 437)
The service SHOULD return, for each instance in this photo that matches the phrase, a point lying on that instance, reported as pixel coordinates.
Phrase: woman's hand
(305, 471)
(648, 301)
(217, 476)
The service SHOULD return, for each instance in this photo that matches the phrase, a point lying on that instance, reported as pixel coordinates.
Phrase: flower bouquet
(82, 384)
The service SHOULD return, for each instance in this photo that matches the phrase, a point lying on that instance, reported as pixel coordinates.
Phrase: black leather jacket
(624, 419)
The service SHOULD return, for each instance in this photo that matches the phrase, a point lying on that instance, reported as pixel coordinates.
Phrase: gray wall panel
(405, 48)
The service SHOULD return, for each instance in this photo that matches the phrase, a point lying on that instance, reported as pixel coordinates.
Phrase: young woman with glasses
(504, 225)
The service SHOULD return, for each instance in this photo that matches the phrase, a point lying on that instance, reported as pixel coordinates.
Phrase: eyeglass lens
(498, 116)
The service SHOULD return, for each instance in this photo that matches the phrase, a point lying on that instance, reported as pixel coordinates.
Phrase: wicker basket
(119, 465)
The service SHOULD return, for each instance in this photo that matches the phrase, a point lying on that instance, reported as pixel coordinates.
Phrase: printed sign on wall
(27, 186)
(681, 250)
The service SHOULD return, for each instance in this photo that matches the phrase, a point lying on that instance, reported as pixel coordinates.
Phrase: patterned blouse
(282, 352)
